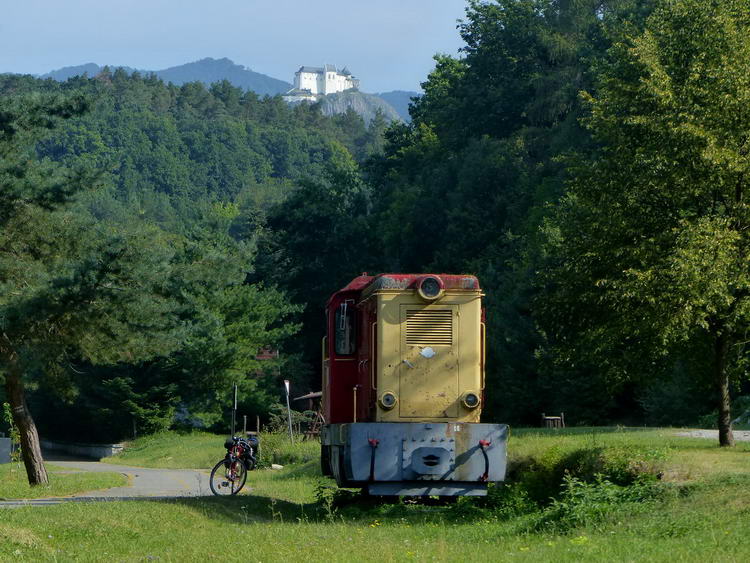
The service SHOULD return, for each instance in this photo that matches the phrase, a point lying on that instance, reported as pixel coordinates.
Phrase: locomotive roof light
(430, 288)
(388, 400)
(470, 400)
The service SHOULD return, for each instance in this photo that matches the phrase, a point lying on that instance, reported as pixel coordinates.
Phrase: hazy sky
(388, 44)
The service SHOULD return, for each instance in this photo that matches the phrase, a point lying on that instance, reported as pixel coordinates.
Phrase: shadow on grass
(351, 507)
(245, 509)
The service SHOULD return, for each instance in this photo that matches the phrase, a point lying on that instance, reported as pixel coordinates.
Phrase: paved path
(739, 435)
(143, 483)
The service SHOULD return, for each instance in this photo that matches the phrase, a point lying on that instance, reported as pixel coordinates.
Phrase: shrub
(589, 503)
(543, 477)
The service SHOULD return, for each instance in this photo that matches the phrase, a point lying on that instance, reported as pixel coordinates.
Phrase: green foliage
(609, 229)
(680, 398)
(543, 477)
(142, 211)
(206, 166)
(509, 500)
(466, 186)
(649, 246)
(13, 434)
(278, 419)
(589, 504)
(689, 165)
(317, 240)
(275, 447)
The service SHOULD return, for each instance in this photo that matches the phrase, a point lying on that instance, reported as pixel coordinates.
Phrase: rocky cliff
(366, 105)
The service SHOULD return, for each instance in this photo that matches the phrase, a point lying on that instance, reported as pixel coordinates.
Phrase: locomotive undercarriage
(415, 458)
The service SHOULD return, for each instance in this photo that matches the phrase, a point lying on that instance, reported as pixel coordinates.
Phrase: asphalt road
(143, 483)
(739, 435)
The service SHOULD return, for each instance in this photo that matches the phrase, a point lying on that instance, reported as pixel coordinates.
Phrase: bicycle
(230, 474)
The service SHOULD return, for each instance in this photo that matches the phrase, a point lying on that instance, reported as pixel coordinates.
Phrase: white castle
(312, 81)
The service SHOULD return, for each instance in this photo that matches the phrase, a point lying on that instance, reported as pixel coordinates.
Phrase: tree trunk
(30, 448)
(721, 377)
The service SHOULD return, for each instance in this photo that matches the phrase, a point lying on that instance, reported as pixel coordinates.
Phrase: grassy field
(626, 496)
(14, 485)
(201, 450)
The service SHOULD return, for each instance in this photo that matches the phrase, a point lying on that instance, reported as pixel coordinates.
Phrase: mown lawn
(699, 511)
(62, 482)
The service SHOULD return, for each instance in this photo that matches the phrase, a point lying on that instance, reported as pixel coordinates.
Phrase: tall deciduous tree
(651, 244)
(480, 163)
(317, 240)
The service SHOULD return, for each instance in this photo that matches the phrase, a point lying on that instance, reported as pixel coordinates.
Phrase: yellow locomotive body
(428, 355)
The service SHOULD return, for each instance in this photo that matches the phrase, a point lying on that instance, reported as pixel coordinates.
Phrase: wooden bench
(553, 421)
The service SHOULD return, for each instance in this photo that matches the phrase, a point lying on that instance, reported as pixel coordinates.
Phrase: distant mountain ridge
(400, 100)
(206, 70)
(214, 70)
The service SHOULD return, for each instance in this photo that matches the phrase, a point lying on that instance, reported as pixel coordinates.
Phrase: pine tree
(68, 286)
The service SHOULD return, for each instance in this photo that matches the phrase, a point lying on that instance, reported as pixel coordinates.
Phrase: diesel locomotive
(403, 388)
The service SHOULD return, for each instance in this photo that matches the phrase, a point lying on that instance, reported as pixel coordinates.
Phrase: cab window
(344, 329)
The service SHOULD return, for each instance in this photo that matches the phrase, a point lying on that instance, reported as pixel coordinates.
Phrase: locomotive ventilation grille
(429, 327)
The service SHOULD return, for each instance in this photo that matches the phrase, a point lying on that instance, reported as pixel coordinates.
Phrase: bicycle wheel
(228, 477)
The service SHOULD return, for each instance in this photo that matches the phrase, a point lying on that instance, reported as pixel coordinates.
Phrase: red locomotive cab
(347, 361)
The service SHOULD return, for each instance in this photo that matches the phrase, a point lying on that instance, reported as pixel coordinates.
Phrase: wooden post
(289, 411)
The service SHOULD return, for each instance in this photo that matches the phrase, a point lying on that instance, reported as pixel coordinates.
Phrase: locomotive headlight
(430, 288)
(470, 400)
(388, 400)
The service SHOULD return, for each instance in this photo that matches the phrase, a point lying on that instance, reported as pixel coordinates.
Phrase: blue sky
(388, 44)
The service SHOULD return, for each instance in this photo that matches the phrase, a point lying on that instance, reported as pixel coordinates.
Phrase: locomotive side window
(345, 329)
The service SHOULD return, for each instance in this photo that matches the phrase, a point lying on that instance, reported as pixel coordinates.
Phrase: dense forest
(586, 159)
(182, 177)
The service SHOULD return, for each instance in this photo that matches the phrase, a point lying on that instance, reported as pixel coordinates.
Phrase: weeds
(543, 477)
(588, 504)
(326, 498)
(508, 500)
(13, 434)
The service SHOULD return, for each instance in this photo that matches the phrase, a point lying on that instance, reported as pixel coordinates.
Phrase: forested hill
(173, 185)
(586, 160)
(206, 70)
(392, 105)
